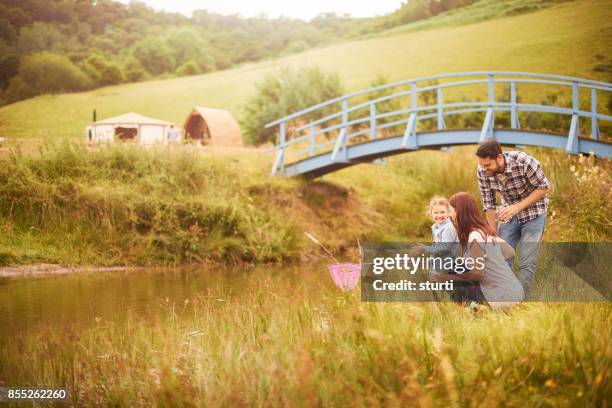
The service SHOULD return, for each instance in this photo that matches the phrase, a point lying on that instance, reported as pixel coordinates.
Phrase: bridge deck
(366, 152)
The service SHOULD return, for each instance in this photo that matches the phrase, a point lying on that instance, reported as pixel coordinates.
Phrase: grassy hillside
(569, 38)
(478, 11)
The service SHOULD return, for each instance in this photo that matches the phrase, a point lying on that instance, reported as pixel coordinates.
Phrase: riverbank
(46, 270)
(123, 206)
(289, 337)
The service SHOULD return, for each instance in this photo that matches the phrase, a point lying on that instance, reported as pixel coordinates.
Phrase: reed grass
(288, 342)
(122, 205)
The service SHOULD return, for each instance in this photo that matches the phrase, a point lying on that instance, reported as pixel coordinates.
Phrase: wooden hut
(215, 127)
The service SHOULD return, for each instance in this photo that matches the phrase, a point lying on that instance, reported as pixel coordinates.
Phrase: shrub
(9, 66)
(103, 71)
(46, 73)
(284, 92)
(133, 70)
(188, 68)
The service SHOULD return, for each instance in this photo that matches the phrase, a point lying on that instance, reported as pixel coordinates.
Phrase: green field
(569, 39)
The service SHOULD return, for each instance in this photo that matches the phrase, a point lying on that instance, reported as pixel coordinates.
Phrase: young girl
(499, 286)
(443, 232)
(445, 244)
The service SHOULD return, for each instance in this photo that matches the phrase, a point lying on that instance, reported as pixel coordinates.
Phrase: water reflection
(81, 298)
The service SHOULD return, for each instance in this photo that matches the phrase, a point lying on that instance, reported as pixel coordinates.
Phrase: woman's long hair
(468, 218)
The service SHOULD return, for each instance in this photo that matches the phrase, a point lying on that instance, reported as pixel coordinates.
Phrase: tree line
(52, 46)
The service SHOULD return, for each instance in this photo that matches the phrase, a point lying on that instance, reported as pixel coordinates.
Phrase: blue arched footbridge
(516, 108)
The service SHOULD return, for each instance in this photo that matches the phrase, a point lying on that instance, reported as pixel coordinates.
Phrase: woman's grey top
(499, 284)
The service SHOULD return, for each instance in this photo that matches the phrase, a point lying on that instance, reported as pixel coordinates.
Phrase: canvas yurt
(215, 127)
(133, 126)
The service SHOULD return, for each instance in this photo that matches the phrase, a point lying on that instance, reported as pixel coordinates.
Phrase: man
(174, 135)
(523, 186)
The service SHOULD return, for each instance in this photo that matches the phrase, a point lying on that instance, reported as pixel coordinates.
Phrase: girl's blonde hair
(437, 200)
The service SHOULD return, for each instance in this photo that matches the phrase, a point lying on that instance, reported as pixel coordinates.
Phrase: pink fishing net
(345, 275)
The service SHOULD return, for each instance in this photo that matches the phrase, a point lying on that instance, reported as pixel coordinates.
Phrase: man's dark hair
(489, 149)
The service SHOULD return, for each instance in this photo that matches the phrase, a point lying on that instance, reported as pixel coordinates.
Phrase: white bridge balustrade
(419, 114)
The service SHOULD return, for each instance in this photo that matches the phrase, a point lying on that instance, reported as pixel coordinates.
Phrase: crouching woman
(498, 284)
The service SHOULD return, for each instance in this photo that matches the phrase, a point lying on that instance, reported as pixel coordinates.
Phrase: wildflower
(550, 383)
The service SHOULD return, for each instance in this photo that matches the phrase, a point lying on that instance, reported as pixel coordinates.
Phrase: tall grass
(128, 205)
(123, 205)
(287, 342)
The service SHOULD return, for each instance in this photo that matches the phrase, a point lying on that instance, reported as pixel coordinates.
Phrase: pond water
(82, 298)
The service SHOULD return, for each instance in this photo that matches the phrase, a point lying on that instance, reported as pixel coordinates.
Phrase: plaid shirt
(521, 176)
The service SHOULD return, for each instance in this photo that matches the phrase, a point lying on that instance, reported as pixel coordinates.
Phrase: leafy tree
(189, 46)
(9, 66)
(45, 72)
(16, 16)
(103, 71)
(284, 92)
(154, 55)
(40, 37)
(7, 32)
(185, 43)
(134, 70)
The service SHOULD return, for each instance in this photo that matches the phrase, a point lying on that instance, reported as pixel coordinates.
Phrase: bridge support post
(594, 125)
(341, 142)
(373, 132)
(572, 145)
(311, 148)
(279, 163)
(487, 127)
(279, 158)
(409, 141)
(491, 92)
(514, 120)
(440, 100)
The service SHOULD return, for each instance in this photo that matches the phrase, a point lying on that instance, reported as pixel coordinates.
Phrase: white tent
(131, 126)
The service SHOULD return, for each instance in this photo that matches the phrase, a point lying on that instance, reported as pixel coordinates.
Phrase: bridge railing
(422, 102)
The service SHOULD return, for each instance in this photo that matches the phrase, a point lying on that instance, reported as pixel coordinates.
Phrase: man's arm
(535, 176)
(511, 210)
(488, 198)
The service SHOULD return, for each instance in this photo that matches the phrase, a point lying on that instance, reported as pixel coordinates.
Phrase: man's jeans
(529, 235)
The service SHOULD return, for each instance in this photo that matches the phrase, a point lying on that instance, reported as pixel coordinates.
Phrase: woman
(500, 287)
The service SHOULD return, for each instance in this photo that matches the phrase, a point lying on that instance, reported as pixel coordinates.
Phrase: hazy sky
(304, 9)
